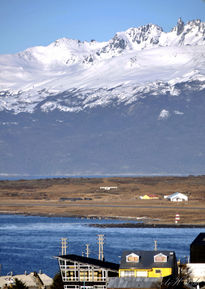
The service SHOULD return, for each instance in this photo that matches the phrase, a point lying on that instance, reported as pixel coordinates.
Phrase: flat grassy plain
(82, 197)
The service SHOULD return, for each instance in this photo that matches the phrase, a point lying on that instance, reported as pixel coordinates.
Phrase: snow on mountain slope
(139, 60)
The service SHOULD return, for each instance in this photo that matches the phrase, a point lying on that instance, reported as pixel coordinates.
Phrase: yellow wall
(145, 197)
(164, 272)
(150, 272)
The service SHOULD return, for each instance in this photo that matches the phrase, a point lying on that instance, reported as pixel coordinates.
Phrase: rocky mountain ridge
(92, 73)
(131, 106)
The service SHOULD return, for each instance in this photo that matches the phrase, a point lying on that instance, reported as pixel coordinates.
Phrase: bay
(29, 243)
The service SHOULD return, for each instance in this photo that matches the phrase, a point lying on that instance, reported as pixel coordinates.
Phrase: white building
(196, 272)
(108, 188)
(177, 197)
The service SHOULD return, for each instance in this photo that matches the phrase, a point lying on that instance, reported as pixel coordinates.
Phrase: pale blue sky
(26, 23)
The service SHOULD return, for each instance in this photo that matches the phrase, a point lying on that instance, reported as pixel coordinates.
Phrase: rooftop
(146, 259)
(90, 261)
(199, 240)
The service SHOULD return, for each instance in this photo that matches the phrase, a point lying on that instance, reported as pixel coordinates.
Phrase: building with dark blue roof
(197, 249)
(151, 264)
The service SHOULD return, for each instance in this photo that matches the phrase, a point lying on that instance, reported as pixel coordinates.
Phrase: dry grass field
(83, 197)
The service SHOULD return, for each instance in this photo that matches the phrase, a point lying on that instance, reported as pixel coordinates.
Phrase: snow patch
(164, 114)
(134, 63)
(178, 112)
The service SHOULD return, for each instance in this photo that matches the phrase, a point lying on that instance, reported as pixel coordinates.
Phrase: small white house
(177, 197)
(108, 188)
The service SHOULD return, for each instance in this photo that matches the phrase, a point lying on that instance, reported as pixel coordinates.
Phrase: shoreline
(93, 199)
(125, 224)
(144, 225)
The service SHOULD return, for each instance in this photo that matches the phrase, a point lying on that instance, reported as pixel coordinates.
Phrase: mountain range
(131, 105)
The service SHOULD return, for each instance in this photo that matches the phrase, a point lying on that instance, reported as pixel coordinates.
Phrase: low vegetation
(88, 197)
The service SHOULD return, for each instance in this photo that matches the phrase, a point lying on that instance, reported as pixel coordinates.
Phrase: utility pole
(87, 252)
(155, 245)
(101, 242)
(63, 246)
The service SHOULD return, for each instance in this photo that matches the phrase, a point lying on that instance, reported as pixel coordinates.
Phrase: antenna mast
(87, 252)
(155, 245)
(101, 242)
(63, 246)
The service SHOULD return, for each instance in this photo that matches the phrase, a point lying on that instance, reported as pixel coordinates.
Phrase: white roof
(197, 271)
(177, 195)
(29, 280)
(133, 255)
(47, 281)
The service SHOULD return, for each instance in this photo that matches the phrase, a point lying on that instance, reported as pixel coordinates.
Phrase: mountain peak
(65, 42)
(136, 56)
(74, 104)
(180, 26)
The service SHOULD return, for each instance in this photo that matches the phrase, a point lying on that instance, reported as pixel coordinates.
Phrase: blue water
(29, 243)
(32, 177)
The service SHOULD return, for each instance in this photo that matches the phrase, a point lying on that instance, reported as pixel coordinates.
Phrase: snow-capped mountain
(134, 104)
(137, 60)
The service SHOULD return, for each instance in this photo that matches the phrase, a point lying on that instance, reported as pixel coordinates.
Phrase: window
(132, 258)
(142, 274)
(71, 286)
(160, 258)
(127, 273)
